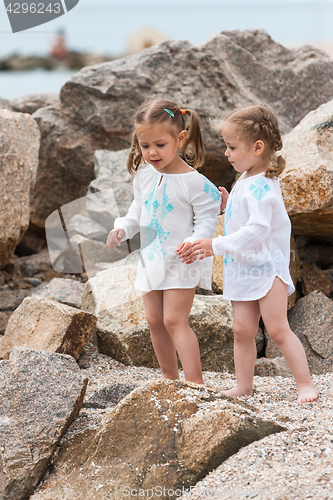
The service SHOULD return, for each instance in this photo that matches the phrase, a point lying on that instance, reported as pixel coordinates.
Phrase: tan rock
(217, 278)
(19, 139)
(41, 394)
(45, 324)
(164, 436)
(307, 182)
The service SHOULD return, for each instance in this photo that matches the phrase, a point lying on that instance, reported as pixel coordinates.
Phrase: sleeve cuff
(217, 245)
(117, 224)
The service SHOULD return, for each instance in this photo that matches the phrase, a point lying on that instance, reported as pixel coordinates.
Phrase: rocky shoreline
(84, 412)
(75, 61)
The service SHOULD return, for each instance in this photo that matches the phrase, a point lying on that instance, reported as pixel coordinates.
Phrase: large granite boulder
(45, 324)
(41, 394)
(312, 321)
(161, 439)
(19, 139)
(307, 181)
(235, 68)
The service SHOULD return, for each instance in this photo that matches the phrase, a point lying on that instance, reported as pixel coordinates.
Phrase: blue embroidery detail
(155, 247)
(259, 189)
(227, 259)
(166, 206)
(227, 215)
(149, 201)
(212, 190)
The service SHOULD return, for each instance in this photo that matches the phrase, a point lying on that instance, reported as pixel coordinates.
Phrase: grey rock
(41, 393)
(32, 102)
(19, 139)
(11, 299)
(35, 264)
(111, 174)
(64, 290)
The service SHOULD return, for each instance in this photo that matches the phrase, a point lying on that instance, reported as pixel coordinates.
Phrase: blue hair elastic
(170, 112)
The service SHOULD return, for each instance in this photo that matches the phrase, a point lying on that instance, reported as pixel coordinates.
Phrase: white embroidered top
(169, 209)
(256, 241)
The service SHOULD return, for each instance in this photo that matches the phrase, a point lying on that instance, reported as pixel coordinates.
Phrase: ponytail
(193, 149)
(135, 156)
(278, 164)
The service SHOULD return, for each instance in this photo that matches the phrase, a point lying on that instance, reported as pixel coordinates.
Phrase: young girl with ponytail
(173, 206)
(256, 247)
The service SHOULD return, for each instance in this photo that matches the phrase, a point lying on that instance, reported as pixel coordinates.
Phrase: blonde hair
(258, 122)
(154, 112)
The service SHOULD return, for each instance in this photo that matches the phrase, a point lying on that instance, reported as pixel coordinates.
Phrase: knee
(172, 324)
(278, 333)
(243, 331)
(154, 321)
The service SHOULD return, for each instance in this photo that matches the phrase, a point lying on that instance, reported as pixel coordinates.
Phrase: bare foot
(307, 394)
(164, 377)
(237, 392)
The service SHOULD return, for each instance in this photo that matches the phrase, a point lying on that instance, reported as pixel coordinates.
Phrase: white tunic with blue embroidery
(256, 241)
(169, 209)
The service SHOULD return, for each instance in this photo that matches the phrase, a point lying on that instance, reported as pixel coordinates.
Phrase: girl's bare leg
(177, 305)
(246, 317)
(273, 308)
(162, 342)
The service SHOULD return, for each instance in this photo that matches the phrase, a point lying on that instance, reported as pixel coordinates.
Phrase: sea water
(106, 28)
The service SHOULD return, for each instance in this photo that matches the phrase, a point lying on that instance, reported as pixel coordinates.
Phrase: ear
(181, 138)
(259, 147)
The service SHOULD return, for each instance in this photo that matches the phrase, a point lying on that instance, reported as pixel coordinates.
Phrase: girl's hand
(185, 252)
(224, 197)
(114, 237)
(203, 248)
